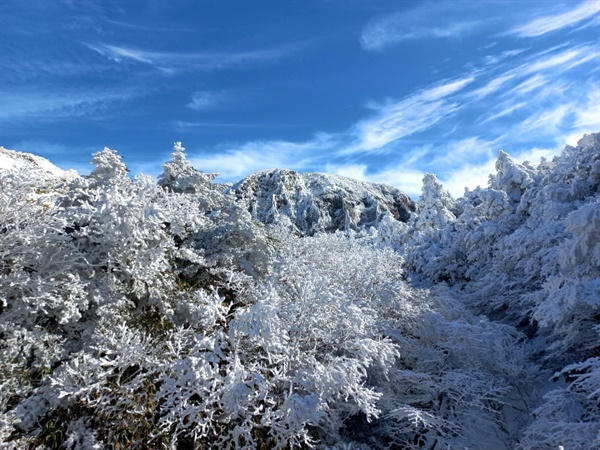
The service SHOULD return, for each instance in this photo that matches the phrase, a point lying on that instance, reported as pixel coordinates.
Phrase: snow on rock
(314, 202)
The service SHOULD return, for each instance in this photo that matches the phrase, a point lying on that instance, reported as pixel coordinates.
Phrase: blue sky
(377, 90)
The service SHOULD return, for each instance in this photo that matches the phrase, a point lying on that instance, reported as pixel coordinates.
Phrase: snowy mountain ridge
(315, 202)
(307, 202)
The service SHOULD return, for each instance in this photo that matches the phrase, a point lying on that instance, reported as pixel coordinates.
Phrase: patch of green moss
(151, 321)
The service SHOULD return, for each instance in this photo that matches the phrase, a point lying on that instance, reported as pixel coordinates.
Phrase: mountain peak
(314, 202)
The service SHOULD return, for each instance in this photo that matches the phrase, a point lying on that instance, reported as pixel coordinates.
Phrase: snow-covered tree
(141, 314)
(180, 176)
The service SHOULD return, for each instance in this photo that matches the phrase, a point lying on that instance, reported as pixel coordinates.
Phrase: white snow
(14, 160)
(299, 310)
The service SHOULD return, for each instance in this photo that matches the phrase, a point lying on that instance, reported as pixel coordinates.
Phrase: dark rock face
(315, 202)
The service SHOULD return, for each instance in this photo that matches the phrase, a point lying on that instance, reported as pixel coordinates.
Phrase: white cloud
(565, 60)
(463, 151)
(235, 163)
(169, 62)
(415, 113)
(504, 112)
(491, 87)
(587, 116)
(549, 23)
(530, 84)
(378, 35)
(408, 180)
(492, 60)
(57, 104)
(151, 28)
(468, 175)
(399, 120)
(428, 20)
(206, 100)
(535, 155)
(445, 89)
(548, 120)
(577, 115)
(119, 53)
(543, 85)
(416, 155)
(401, 176)
(355, 171)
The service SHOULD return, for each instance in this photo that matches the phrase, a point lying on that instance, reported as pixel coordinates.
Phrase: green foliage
(150, 321)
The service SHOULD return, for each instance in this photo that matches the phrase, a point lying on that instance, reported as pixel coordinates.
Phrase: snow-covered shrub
(180, 176)
(525, 250)
(35, 289)
(334, 305)
(136, 314)
(568, 415)
(429, 234)
(291, 363)
(510, 177)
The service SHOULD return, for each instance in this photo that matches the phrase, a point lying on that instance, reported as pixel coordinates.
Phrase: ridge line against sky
(378, 91)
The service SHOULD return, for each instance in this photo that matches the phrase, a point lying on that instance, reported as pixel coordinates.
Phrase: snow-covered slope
(314, 202)
(13, 160)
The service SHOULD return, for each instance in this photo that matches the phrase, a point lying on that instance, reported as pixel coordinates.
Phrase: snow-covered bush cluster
(526, 251)
(164, 315)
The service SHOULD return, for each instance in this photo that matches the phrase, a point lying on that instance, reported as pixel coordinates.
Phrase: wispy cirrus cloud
(208, 100)
(170, 62)
(507, 110)
(564, 60)
(530, 84)
(492, 60)
(407, 179)
(415, 113)
(355, 171)
(569, 117)
(549, 120)
(149, 27)
(553, 22)
(534, 89)
(491, 86)
(393, 30)
(456, 152)
(541, 89)
(399, 120)
(39, 104)
(545, 94)
(236, 161)
(442, 19)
